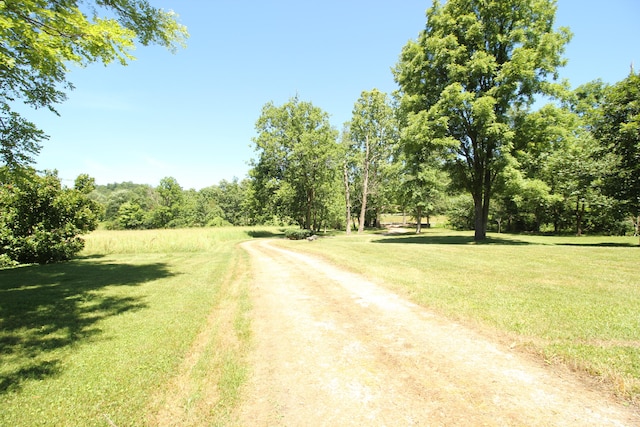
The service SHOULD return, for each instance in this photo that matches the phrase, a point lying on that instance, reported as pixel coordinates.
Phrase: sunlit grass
(101, 339)
(90, 342)
(572, 300)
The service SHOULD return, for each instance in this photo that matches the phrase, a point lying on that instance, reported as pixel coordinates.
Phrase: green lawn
(104, 338)
(90, 342)
(572, 300)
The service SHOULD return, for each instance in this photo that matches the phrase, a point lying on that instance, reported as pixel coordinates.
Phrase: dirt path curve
(332, 349)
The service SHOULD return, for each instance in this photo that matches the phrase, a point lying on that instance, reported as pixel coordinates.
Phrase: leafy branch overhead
(39, 40)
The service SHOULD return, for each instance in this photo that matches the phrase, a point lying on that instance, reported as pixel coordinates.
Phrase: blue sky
(191, 115)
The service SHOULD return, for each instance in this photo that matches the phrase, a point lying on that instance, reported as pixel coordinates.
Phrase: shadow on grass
(431, 239)
(603, 245)
(49, 307)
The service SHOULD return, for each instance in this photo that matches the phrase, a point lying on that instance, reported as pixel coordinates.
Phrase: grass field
(571, 300)
(95, 341)
(148, 326)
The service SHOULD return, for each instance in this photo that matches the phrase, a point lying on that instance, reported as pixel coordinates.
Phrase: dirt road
(332, 349)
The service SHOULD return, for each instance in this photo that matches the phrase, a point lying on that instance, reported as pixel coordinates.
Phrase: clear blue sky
(191, 115)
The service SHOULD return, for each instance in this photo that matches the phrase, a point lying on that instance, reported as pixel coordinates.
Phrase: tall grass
(571, 300)
(90, 342)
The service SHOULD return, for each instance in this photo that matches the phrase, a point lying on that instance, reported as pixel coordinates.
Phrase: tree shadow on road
(46, 308)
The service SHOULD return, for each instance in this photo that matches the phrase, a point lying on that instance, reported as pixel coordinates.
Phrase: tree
(422, 190)
(296, 170)
(130, 216)
(40, 221)
(557, 168)
(619, 132)
(231, 197)
(167, 214)
(39, 41)
(423, 180)
(472, 64)
(374, 135)
(348, 165)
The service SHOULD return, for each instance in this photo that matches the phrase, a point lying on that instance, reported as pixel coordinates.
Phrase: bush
(460, 212)
(218, 222)
(40, 221)
(298, 234)
(6, 261)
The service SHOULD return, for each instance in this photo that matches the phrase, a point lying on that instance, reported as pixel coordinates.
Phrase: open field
(99, 340)
(153, 327)
(570, 300)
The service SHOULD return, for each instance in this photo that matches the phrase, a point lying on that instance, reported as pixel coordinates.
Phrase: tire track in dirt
(332, 348)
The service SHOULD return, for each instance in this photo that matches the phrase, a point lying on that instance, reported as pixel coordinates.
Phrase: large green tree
(374, 137)
(619, 131)
(296, 171)
(474, 62)
(40, 40)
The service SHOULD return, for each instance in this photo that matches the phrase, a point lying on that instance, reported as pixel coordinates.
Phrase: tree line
(465, 135)
(129, 206)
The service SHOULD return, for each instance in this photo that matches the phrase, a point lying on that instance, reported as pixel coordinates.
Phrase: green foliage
(40, 222)
(618, 130)
(40, 39)
(298, 234)
(474, 62)
(296, 171)
(556, 168)
(372, 143)
(460, 212)
(137, 206)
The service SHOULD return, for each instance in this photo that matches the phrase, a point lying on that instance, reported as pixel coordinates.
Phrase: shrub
(6, 261)
(40, 221)
(460, 212)
(297, 234)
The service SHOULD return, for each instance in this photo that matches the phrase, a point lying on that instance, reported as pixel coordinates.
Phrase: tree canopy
(40, 40)
(619, 131)
(373, 136)
(474, 62)
(296, 169)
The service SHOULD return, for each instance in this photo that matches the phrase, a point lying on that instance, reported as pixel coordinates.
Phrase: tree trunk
(481, 190)
(307, 219)
(481, 212)
(419, 220)
(348, 200)
(478, 225)
(579, 218)
(365, 187)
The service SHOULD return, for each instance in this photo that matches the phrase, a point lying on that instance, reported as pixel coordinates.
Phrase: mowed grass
(574, 301)
(99, 340)
(152, 327)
